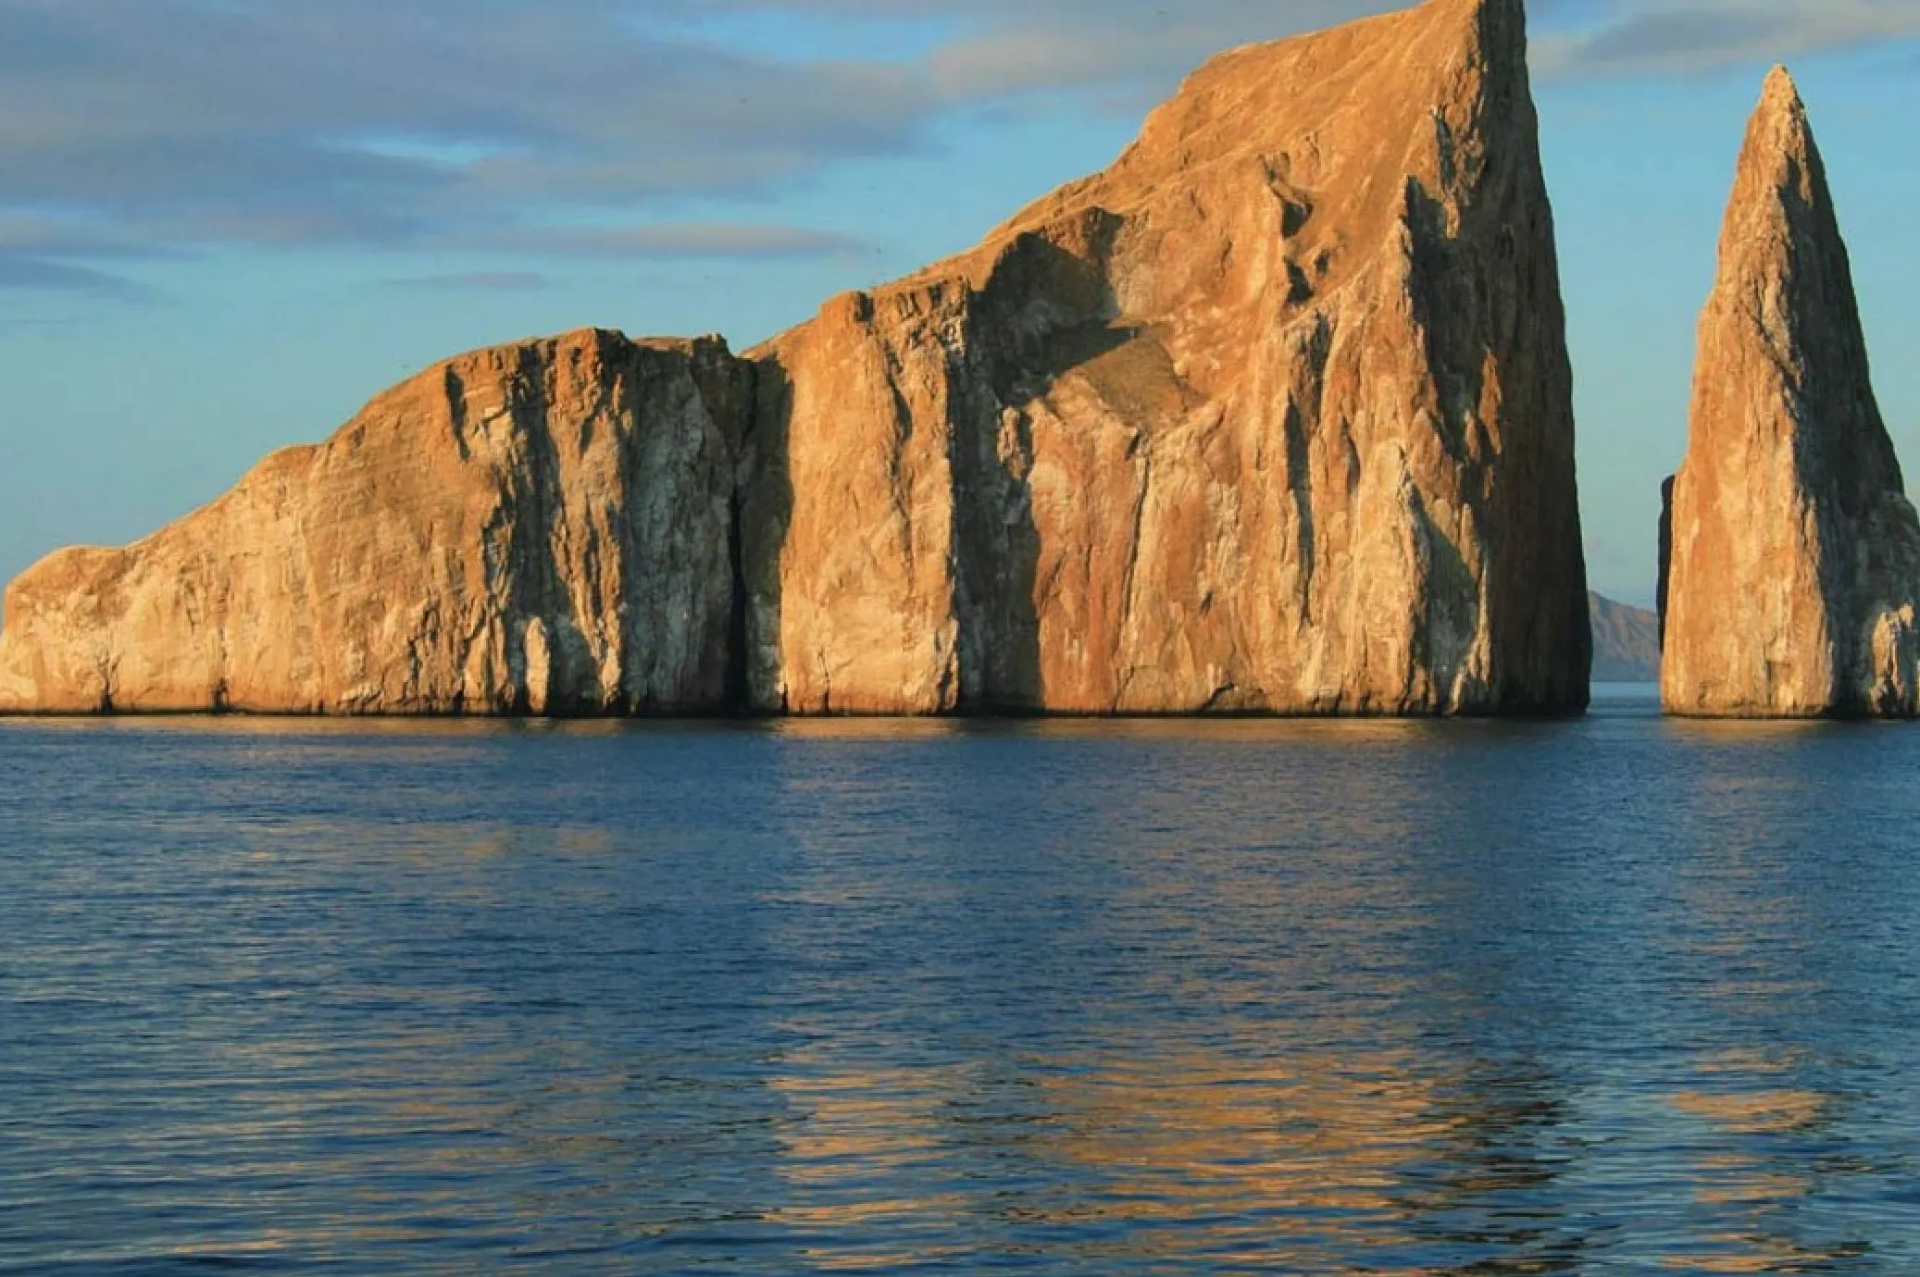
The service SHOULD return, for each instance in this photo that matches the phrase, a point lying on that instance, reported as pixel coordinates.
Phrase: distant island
(1626, 642)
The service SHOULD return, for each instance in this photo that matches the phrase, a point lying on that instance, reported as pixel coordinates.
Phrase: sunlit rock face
(1794, 553)
(540, 528)
(1274, 415)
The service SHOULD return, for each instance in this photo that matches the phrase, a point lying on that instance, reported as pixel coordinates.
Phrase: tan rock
(542, 527)
(1795, 555)
(1272, 415)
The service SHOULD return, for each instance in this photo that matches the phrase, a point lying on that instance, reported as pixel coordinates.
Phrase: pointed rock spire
(1794, 555)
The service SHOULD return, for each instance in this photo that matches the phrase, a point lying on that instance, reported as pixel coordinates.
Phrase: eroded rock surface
(541, 528)
(1795, 555)
(1273, 415)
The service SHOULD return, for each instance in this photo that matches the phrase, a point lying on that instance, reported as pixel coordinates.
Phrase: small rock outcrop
(1274, 415)
(1794, 559)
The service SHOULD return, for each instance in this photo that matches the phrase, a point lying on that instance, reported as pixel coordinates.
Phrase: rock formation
(1273, 415)
(542, 528)
(1626, 643)
(1795, 555)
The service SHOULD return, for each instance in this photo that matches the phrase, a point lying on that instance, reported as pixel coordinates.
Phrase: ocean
(1610, 995)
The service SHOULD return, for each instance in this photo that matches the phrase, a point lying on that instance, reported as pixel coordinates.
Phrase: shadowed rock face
(1274, 415)
(1795, 555)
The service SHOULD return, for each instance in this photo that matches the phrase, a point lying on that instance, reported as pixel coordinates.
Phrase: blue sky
(225, 224)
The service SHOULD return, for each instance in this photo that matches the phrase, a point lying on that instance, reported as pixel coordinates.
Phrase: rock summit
(1793, 555)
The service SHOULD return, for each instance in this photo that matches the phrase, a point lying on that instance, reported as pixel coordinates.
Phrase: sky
(226, 224)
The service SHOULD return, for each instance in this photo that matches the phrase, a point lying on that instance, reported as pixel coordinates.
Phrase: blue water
(1618, 995)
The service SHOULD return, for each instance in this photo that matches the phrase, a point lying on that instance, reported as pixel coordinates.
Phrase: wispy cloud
(370, 124)
(130, 128)
(1641, 37)
(484, 281)
(23, 272)
(1016, 45)
(50, 237)
(736, 240)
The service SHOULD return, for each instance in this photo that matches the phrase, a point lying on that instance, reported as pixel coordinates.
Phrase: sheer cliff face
(1272, 415)
(541, 528)
(1795, 555)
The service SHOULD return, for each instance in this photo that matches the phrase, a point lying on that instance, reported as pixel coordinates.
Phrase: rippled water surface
(1611, 996)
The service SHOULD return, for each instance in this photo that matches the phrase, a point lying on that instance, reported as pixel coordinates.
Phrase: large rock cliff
(1794, 553)
(1274, 415)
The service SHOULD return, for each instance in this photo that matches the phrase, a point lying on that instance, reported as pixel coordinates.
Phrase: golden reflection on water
(1754, 1112)
(1745, 921)
(852, 1141)
(1306, 1159)
(1272, 1146)
(1746, 1116)
(1192, 1137)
